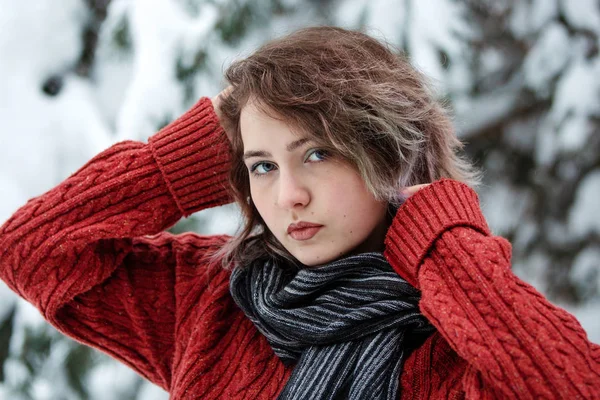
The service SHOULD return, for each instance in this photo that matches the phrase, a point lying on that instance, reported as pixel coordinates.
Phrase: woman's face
(292, 181)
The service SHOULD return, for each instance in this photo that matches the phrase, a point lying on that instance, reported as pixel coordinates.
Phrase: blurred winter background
(522, 77)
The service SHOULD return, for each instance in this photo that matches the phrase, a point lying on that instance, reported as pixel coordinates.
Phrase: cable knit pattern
(93, 256)
(517, 344)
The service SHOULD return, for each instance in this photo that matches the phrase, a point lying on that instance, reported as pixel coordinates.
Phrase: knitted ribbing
(91, 254)
(193, 155)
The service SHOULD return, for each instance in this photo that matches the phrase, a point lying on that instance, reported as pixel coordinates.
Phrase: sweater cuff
(424, 217)
(193, 155)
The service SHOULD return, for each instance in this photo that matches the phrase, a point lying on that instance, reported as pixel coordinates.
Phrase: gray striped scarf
(345, 324)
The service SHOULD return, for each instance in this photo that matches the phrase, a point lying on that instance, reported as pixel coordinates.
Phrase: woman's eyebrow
(290, 147)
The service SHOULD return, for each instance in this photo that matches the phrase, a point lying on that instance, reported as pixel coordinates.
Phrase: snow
(533, 270)
(40, 134)
(547, 58)
(546, 143)
(110, 380)
(113, 69)
(149, 391)
(584, 217)
(223, 220)
(161, 34)
(586, 271)
(579, 14)
(516, 136)
(27, 317)
(568, 123)
(428, 27)
(525, 235)
(438, 26)
(529, 17)
(16, 373)
(504, 206)
(42, 389)
(384, 19)
(474, 113)
(37, 54)
(576, 100)
(12, 196)
(351, 12)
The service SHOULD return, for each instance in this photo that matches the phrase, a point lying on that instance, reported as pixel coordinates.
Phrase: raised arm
(517, 343)
(83, 253)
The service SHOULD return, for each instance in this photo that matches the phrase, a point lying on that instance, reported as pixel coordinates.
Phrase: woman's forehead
(258, 126)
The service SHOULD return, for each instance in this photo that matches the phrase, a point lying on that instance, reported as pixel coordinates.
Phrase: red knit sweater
(93, 256)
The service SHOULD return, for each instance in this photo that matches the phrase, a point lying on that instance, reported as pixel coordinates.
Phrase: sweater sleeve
(91, 253)
(517, 343)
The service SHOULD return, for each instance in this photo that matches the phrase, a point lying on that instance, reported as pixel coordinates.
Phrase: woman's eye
(261, 168)
(317, 155)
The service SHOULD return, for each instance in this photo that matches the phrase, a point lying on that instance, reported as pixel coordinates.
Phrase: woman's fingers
(217, 105)
(410, 190)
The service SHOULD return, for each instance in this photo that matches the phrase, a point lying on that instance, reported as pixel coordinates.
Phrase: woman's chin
(315, 258)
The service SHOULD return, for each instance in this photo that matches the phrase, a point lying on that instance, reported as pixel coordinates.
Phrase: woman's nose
(292, 193)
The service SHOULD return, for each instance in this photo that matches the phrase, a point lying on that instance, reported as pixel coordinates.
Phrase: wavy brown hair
(353, 95)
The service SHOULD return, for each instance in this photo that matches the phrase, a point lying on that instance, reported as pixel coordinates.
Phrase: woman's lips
(305, 233)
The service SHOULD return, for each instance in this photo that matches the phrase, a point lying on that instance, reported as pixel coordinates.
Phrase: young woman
(364, 269)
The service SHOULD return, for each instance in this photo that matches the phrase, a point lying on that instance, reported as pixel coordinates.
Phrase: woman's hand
(216, 101)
